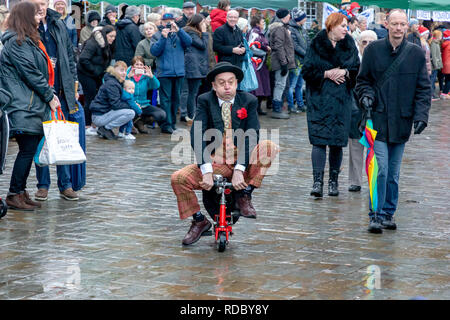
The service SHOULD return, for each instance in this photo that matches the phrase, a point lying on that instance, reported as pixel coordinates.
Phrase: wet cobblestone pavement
(122, 239)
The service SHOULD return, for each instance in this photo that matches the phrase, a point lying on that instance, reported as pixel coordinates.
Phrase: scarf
(51, 71)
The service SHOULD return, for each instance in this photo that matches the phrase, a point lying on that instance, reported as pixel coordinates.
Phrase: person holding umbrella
(393, 85)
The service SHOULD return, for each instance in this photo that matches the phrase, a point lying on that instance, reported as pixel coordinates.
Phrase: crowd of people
(136, 72)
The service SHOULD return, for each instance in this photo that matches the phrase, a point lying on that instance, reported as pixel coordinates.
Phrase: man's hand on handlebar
(238, 180)
(207, 183)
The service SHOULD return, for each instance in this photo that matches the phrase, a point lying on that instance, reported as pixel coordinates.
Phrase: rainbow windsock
(368, 140)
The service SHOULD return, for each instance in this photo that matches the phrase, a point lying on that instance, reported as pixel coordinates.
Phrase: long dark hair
(21, 20)
(194, 22)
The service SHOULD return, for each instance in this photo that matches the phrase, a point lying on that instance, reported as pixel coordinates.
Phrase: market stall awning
(431, 5)
(259, 4)
(150, 3)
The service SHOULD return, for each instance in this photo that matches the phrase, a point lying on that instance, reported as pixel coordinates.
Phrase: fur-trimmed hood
(338, 55)
(98, 36)
(111, 73)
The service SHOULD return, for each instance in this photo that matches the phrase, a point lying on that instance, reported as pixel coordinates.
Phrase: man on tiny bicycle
(231, 118)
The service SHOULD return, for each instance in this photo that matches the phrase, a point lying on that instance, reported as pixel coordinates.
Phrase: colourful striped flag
(367, 140)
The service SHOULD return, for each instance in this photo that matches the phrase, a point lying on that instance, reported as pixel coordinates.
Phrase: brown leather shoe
(26, 198)
(69, 194)
(140, 125)
(41, 195)
(245, 205)
(196, 231)
(15, 202)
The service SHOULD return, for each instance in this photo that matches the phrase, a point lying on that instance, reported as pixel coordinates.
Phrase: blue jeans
(295, 84)
(169, 96)
(127, 127)
(389, 158)
(63, 172)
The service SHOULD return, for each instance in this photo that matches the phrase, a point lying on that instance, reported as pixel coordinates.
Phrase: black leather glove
(367, 102)
(419, 126)
(284, 70)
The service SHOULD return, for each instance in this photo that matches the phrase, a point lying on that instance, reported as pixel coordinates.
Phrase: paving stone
(122, 239)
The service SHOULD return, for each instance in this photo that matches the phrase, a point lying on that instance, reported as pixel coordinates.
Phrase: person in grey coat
(283, 59)
(301, 42)
(196, 61)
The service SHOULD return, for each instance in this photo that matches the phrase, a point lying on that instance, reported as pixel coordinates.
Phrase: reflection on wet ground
(122, 240)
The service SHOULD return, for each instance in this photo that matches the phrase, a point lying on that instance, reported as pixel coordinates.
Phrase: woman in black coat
(95, 57)
(26, 72)
(330, 69)
(196, 60)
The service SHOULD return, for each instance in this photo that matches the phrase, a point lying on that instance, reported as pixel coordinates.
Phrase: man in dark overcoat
(400, 102)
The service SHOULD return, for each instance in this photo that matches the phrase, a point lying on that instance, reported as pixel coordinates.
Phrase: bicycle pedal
(207, 233)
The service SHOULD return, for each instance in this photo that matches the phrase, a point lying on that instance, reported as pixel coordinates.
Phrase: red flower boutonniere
(242, 113)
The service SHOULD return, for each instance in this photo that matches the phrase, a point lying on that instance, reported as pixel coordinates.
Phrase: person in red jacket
(219, 15)
(446, 63)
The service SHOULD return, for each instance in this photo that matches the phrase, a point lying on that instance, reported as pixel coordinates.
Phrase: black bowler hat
(222, 67)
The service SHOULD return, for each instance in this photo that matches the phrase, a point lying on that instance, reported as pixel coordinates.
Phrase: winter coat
(262, 74)
(71, 30)
(128, 37)
(404, 98)
(379, 29)
(143, 50)
(300, 40)
(65, 60)
(142, 86)
(24, 74)
(225, 39)
(211, 54)
(413, 37)
(446, 57)
(169, 53)
(218, 18)
(85, 33)
(436, 55)
(283, 52)
(196, 56)
(109, 96)
(182, 22)
(329, 104)
(426, 50)
(95, 56)
(129, 99)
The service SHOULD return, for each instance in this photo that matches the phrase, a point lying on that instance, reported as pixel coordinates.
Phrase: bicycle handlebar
(223, 184)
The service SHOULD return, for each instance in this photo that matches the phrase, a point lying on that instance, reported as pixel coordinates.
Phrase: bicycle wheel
(222, 242)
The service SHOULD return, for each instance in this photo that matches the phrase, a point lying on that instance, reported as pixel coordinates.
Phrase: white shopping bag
(61, 145)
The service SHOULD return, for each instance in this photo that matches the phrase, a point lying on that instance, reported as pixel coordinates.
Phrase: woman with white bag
(26, 72)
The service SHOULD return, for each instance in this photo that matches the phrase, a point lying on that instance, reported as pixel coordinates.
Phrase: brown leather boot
(245, 205)
(196, 230)
(26, 198)
(140, 125)
(16, 202)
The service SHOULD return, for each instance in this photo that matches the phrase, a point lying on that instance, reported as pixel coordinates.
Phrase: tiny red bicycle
(220, 204)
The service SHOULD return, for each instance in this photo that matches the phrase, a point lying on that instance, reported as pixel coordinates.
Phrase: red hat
(354, 5)
(446, 35)
(423, 31)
